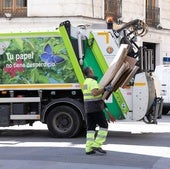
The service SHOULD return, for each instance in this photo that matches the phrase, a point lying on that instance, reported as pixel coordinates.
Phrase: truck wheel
(64, 122)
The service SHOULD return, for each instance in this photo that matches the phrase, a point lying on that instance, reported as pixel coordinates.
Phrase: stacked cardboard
(120, 71)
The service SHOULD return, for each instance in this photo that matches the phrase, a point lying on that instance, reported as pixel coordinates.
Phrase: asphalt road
(130, 145)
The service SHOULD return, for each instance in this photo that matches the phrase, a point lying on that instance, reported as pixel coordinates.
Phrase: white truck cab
(163, 74)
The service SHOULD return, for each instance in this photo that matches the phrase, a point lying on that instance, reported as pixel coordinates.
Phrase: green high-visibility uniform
(92, 141)
(95, 116)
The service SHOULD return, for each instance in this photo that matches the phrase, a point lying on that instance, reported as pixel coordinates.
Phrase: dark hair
(87, 71)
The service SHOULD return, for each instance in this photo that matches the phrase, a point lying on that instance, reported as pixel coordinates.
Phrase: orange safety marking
(39, 86)
(140, 84)
(106, 34)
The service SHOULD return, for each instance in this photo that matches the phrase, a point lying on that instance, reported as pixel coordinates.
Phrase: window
(152, 13)
(16, 8)
(150, 3)
(21, 3)
(7, 3)
(113, 8)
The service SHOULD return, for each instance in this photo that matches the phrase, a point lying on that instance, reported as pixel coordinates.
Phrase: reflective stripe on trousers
(91, 141)
(101, 137)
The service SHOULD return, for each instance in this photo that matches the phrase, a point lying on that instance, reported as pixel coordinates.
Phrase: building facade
(26, 15)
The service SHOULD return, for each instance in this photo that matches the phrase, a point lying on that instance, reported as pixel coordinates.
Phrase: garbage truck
(41, 76)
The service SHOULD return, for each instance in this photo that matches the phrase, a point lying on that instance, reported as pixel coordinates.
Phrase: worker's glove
(108, 88)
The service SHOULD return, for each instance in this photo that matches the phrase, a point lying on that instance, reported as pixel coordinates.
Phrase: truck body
(42, 77)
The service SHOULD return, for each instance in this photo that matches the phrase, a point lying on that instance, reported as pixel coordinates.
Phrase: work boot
(90, 152)
(99, 149)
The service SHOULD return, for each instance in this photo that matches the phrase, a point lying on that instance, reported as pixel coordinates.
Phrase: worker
(94, 116)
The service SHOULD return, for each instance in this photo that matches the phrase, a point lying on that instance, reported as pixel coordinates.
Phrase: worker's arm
(96, 92)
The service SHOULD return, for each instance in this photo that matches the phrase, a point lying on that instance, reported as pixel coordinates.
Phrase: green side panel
(72, 55)
(98, 55)
(118, 107)
(90, 60)
(34, 58)
(121, 102)
(28, 34)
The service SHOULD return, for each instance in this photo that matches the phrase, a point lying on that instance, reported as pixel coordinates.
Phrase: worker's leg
(101, 137)
(90, 135)
(102, 133)
(89, 141)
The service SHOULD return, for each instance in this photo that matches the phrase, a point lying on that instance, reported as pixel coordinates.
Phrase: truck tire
(64, 122)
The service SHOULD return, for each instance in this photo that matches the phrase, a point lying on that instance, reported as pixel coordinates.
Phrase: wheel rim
(63, 122)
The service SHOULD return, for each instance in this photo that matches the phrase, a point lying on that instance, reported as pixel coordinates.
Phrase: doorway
(150, 55)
